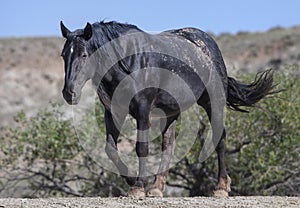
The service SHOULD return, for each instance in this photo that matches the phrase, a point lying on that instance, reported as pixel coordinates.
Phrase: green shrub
(267, 143)
(43, 154)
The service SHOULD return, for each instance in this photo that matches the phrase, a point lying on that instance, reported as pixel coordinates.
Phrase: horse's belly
(173, 105)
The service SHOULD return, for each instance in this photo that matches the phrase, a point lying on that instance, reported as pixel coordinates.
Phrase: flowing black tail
(240, 94)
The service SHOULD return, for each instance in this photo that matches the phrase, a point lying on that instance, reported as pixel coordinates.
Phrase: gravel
(253, 201)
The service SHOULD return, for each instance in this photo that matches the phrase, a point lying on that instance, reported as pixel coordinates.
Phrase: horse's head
(76, 53)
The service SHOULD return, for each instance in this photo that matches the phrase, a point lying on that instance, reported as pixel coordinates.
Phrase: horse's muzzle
(72, 98)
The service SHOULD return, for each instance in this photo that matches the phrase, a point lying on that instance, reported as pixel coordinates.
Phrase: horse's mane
(107, 31)
(114, 29)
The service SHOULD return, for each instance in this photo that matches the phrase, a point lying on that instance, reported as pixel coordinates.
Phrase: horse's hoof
(220, 193)
(155, 192)
(223, 186)
(137, 192)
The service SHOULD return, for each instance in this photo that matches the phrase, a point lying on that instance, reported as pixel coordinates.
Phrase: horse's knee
(142, 149)
(111, 148)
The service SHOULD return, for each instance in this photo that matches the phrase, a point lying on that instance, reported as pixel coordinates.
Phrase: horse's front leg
(142, 150)
(112, 134)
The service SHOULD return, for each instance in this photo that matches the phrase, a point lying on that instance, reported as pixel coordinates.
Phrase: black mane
(115, 28)
(104, 32)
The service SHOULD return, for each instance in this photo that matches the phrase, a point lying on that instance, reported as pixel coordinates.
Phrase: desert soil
(253, 201)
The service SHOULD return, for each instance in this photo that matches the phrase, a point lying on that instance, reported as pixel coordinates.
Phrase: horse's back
(208, 46)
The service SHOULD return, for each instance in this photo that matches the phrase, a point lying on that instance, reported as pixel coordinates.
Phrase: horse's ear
(64, 30)
(88, 31)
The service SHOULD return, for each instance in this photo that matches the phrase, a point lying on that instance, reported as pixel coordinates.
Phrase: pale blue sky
(42, 17)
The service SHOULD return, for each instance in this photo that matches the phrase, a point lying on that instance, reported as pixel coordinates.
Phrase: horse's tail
(240, 94)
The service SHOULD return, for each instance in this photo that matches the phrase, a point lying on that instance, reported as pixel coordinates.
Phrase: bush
(266, 143)
(42, 157)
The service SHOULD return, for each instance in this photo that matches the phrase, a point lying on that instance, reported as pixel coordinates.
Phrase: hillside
(250, 52)
(31, 73)
(31, 69)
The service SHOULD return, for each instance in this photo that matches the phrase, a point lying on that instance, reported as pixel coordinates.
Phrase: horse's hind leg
(168, 145)
(112, 134)
(223, 186)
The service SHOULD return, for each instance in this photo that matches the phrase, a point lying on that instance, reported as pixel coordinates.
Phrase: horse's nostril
(71, 92)
(70, 96)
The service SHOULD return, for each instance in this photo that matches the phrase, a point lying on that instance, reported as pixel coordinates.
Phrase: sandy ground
(254, 201)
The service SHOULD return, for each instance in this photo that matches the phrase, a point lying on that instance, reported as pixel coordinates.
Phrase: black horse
(168, 71)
